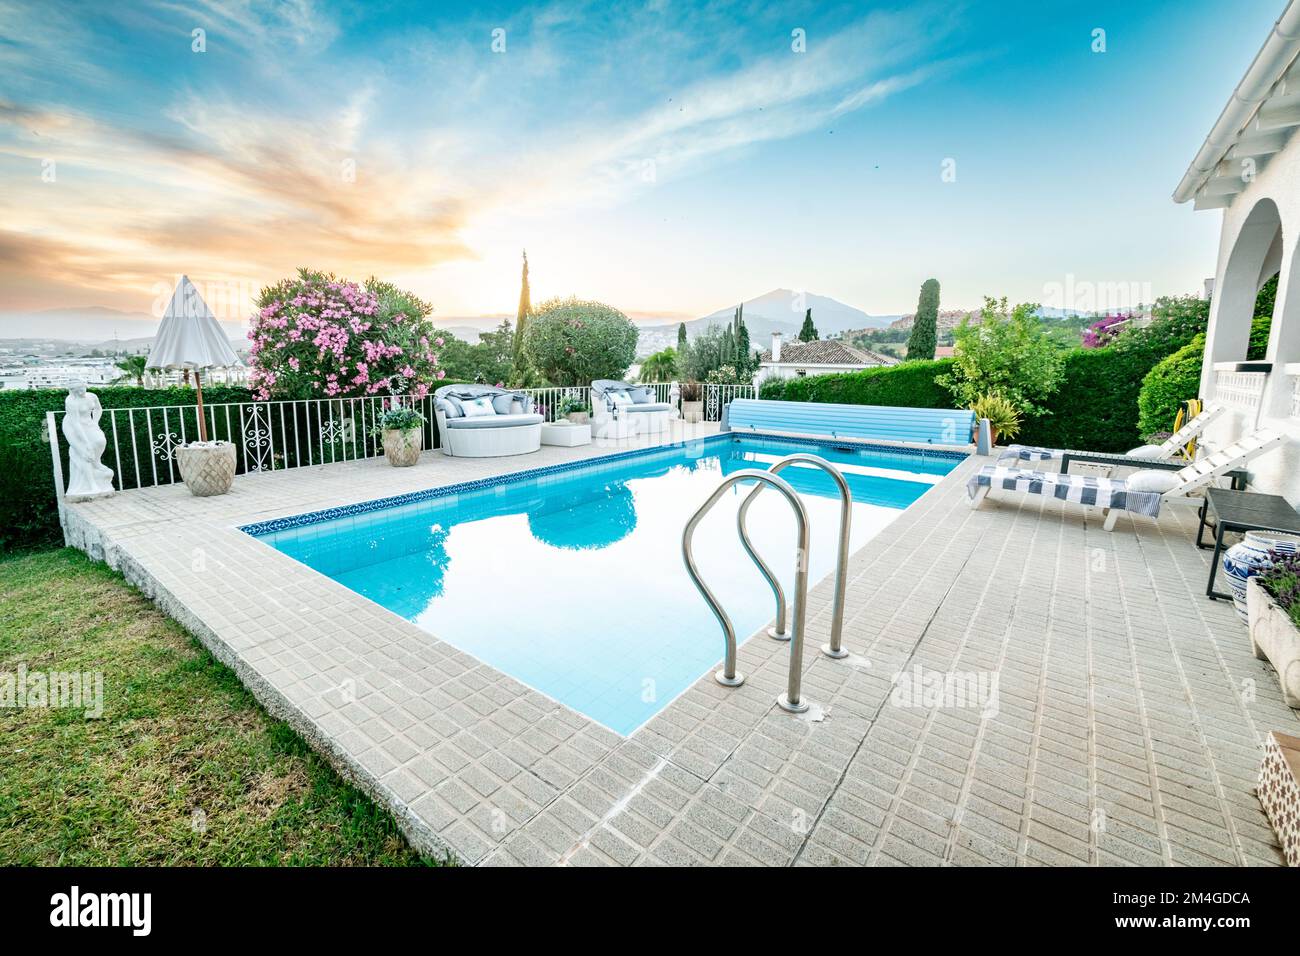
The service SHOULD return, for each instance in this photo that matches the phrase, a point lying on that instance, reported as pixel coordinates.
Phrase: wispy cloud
(364, 162)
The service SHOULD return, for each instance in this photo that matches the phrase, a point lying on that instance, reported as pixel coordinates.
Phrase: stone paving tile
(1117, 734)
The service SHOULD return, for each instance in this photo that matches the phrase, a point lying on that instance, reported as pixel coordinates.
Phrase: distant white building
(1249, 167)
(822, 357)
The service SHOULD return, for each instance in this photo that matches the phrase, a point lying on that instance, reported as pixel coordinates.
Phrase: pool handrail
(790, 700)
(835, 648)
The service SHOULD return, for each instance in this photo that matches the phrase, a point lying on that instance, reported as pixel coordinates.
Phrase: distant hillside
(947, 320)
(780, 310)
(89, 324)
(951, 318)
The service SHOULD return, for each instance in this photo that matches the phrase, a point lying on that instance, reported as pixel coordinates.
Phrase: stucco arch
(1255, 256)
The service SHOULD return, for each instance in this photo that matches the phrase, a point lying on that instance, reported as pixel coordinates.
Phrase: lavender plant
(1282, 581)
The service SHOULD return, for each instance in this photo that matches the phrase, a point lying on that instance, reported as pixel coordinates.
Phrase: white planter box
(1274, 638)
(565, 434)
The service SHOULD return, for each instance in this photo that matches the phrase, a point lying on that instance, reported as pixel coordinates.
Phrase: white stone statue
(88, 477)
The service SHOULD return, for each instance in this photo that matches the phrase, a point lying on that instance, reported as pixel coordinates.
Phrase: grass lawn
(184, 766)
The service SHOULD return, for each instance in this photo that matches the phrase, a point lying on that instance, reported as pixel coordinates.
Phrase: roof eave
(1270, 63)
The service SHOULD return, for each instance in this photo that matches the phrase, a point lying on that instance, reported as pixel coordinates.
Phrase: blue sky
(668, 158)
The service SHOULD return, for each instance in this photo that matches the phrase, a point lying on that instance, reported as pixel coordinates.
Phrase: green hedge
(1096, 405)
(1095, 408)
(909, 384)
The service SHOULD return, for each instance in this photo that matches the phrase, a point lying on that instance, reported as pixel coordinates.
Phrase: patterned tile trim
(378, 504)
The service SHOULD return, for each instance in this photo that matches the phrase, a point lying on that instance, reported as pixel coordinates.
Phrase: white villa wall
(791, 370)
(1249, 253)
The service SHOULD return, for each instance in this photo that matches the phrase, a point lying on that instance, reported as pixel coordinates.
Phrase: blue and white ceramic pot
(1249, 557)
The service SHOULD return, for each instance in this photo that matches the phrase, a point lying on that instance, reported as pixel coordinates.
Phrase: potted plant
(402, 430)
(1273, 611)
(574, 409)
(692, 401)
(1003, 416)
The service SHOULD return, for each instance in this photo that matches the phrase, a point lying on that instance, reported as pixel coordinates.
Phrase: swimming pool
(570, 578)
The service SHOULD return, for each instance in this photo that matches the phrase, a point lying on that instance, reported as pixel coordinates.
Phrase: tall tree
(808, 332)
(681, 337)
(921, 343)
(743, 357)
(521, 318)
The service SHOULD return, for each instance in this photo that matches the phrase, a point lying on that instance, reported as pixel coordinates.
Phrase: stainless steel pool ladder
(835, 648)
(791, 700)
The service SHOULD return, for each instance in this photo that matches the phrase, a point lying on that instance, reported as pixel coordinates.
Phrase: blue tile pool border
(259, 528)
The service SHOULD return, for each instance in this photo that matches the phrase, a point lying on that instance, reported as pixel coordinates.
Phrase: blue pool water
(573, 583)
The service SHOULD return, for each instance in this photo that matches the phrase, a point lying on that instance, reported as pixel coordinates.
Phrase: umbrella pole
(198, 387)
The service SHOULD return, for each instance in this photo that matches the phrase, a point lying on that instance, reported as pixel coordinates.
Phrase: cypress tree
(681, 337)
(808, 333)
(742, 344)
(525, 307)
(924, 337)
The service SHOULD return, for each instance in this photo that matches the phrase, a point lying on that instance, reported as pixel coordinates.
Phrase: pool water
(573, 582)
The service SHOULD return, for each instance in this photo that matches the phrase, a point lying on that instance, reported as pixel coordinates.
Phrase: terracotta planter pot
(1273, 637)
(693, 411)
(578, 418)
(207, 469)
(402, 447)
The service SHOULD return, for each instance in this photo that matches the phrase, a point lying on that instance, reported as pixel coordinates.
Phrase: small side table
(565, 434)
(1241, 511)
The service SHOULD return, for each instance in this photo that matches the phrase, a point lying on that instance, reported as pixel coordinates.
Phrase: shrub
(913, 384)
(1006, 352)
(772, 389)
(572, 342)
(317, 336)
(1175, 321)
(1172, 381)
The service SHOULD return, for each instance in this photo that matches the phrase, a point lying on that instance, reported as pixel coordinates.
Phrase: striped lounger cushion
(1081, 489)
(1029, 453)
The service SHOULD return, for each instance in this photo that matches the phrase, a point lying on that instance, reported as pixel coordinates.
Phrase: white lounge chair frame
(1167, 449)
(1194, 476)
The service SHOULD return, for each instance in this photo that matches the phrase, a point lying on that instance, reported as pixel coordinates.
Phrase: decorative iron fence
(268, 436)
(718, 397)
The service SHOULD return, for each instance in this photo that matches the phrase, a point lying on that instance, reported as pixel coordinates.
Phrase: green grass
(179, 734)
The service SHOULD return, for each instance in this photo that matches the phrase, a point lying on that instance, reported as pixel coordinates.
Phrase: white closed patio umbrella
(191, 337)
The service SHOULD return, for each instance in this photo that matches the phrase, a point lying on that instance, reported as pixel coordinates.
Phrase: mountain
(94, 323)
(780, 310)
(784, 309)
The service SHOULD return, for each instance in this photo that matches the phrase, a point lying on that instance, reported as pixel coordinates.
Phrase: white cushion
(1152, 479)
(478, 406)
(619, 398)
(1146, 451)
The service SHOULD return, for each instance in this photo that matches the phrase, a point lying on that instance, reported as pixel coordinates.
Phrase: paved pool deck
(1100, 711)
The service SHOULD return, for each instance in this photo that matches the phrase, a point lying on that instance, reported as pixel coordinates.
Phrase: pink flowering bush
(315, 336)
(1104, 331)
